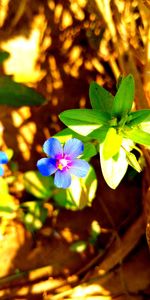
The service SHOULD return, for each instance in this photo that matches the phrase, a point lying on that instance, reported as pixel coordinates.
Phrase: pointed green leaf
(138, 136)
(64, 135)
(111, 143)
(100, 98)
(124, 97)
(84, 121)
(89, 151)
(138, 117)
(99, 133)
(113, 170)
(132, 161)
(119, 81)
(17, 94)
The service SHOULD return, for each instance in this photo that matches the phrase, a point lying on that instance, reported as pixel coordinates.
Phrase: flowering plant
(63, 162)
(112, 127)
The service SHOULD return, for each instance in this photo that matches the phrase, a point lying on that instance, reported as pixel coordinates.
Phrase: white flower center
(62, 163)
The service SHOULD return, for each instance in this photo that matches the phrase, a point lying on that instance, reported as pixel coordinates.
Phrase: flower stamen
(60, 166)
(62, 163)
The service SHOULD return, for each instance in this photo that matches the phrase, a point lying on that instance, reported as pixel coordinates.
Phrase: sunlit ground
(58, 48)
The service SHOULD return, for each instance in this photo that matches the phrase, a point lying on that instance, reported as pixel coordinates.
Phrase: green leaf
(132, 161)
(113, 169)
(124, 97)
(145, 126)
(64, 135)
(80, 194)
(138, 136)
(95, 232)
(138, 117)
(119, 81)
(84, 121)
(38, 185)
(17, 94)
(78, 246)
(3, 55)
(99, 133)
(100, 98)
(62, 200)
(112, 143)
(89, 151)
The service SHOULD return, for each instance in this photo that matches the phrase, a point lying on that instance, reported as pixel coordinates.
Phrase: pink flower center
(63, 163)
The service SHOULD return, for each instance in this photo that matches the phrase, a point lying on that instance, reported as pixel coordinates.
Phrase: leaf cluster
(112, 126)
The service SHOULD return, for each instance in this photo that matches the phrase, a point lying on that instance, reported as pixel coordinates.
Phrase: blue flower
(3, 160)
(63, 161)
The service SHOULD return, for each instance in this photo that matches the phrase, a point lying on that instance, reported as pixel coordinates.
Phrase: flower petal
(73, 148)
(62, 179)
(47, 166)
(1, 171)
(79, 167)
(52, 147)
(3, 158)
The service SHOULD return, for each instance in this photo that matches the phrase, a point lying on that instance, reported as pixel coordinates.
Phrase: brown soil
(41, 265)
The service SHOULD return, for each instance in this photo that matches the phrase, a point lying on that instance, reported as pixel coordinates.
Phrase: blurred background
(58, 47)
